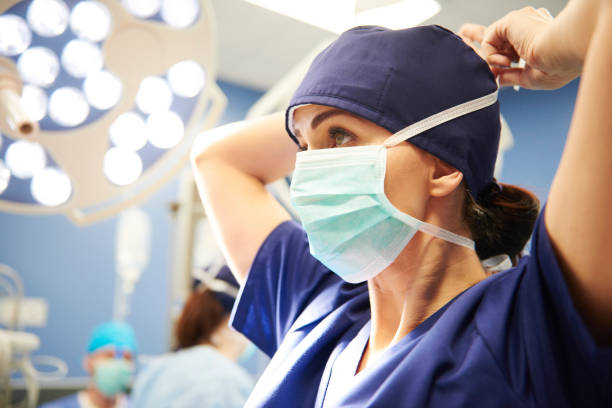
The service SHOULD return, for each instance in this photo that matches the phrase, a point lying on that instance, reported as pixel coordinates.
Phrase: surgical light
(164, 129)
(15, 36)
(142, 8)
(5, 176)
(38, 66)
(122, 167)
(51, 187)
(102, 89)
(24, 158)
(154, 95)
(186, 78)
(99, 107)
(34, 101)
(48, 18)
(68, 106)
(90, 20)
(128, 131)
(180, 13)
(81, 58)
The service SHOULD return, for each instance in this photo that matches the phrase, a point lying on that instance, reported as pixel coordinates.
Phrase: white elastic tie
(497, 263)
(447, 235)
(441, 117)
(216, 285)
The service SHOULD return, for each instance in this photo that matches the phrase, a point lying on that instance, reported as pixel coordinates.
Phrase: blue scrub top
(512, 340)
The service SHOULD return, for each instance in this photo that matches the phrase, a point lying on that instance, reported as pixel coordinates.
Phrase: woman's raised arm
(232, 164)
(578, 216)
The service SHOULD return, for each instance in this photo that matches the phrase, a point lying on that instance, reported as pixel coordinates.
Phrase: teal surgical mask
(352, 227)
(113, 376)
(339, 195)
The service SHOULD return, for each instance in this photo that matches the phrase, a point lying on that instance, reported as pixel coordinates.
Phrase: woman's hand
(578, 217)
(529, 34)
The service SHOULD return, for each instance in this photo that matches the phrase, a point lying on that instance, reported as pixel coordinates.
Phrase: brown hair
(201, 316)
(502, 222)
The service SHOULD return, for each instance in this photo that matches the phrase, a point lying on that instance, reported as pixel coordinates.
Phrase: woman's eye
(340, 137)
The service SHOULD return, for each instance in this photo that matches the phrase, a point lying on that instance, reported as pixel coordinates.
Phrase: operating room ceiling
(257, 46)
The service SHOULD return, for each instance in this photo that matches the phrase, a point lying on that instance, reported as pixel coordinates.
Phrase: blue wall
(539, 121)
(74, 268)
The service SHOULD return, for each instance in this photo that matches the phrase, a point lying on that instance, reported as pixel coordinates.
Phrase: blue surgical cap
(117, 334)
(395, 78)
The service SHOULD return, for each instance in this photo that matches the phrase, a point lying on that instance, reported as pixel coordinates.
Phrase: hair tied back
(490, 192)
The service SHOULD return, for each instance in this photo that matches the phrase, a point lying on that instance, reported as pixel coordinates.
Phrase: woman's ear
(445, 179)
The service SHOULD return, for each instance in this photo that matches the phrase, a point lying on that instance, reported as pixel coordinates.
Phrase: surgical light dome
(100, 100)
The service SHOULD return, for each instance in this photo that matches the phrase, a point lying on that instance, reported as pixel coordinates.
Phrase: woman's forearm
(260, 148)
(567, 39)
(231, 166)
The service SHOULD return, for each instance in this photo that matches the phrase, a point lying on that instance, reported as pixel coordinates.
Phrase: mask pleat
(333, 206)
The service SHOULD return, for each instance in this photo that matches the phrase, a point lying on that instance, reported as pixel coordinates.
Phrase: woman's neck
(426, 275)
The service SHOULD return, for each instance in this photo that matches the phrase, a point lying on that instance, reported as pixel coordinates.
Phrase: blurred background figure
(206, 369)
(109, 362)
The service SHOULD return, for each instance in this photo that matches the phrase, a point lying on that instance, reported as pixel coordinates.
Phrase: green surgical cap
(117, 334)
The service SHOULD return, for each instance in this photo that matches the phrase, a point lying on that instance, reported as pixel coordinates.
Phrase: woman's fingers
(545, 13)
(509, 76)
(472, 33)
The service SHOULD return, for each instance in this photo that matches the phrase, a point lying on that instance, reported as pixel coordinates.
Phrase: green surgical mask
(113, 376)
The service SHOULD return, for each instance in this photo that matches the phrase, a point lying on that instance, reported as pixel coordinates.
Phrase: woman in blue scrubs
(379, 298)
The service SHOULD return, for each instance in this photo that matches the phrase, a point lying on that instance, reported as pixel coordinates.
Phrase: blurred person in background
(205, 370)
(109, 362)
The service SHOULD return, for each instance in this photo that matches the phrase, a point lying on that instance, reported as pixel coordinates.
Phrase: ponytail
(201, 316)
(502, 222)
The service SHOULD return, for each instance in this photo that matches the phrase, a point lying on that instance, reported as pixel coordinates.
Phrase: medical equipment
(132, 252)
(16, 346)
(100, 101)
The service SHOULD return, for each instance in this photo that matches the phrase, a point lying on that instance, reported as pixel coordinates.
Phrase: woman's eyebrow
(317, 120)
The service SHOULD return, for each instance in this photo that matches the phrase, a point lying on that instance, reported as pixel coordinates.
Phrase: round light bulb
(186, 78)
(154, 95)
(5, 177)
(142, 8)
(128, 131)
(34, 102)
(48, 18)
(164, 129)
(15, 36)
(81, 58)
(90, 20)
(25, 158)
(122, 167)
(102, 89)
(38, 66)
(68, 106)
(180, 13)
(51, 187)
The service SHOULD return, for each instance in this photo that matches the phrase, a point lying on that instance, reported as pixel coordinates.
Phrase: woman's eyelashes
(340, 136)
(337, 137)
